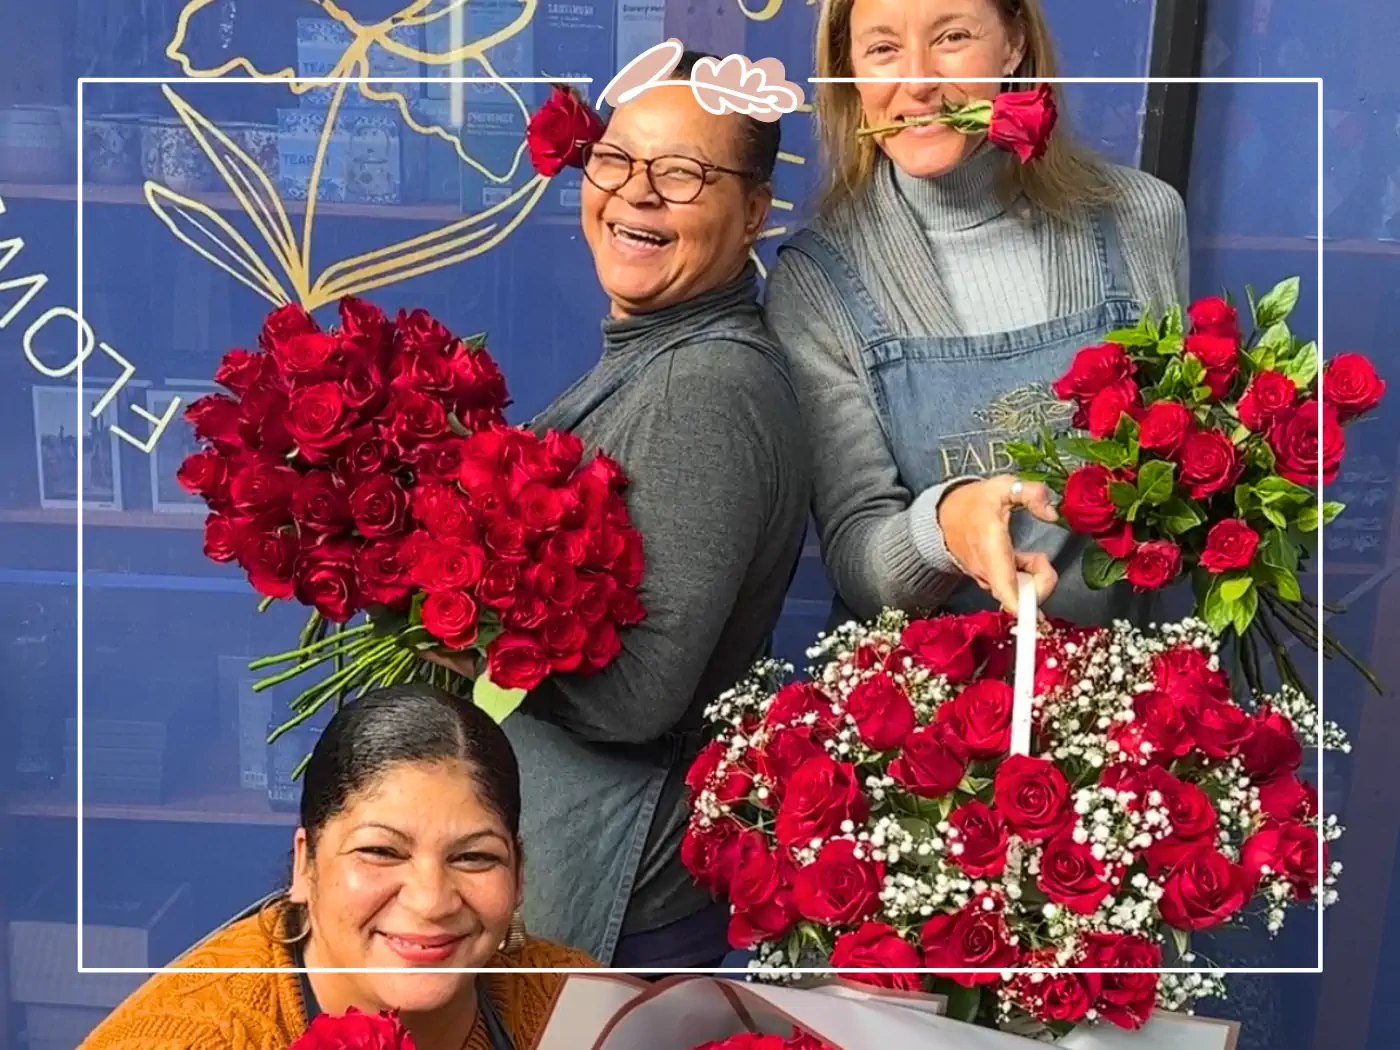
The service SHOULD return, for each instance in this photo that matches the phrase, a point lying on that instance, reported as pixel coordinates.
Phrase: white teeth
(630, 233)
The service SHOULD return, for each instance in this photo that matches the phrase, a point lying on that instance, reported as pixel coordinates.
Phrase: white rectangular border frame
(1317, 82)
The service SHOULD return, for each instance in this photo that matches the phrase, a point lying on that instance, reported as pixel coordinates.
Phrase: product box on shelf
(298, 141)
(56, 422)
(494, 137)
(385, 159)
(513, 55)
(640, 24)
(322, 43)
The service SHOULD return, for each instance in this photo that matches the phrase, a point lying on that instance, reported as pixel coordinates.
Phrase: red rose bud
(1273, 749)
(450, 616)
(1350, 385)
(931, 764)
(1286, 798)
(215, 419)
(240, 369)
(224, 536)
(262, 419)
(269, 558)
(419, 333)
(760, 894)
(1022, 122)
(205, 474)
(979, 847)
(838, 888)
(516, 661)
(364, 324)
(559, 130)
(1213, 316)
(1293, 439)
(284, 323)
(1210, 463)
(1269, 394)
(1154, 564)
(1110, 405)
(1119, 544)
(882, 712)
(360, 1031)
(1230, 544)
(1220, 354)
(876, 946)
(980, 718)
(1286, 851)
(363, 388)
(1086, 505)
(602, 648)
(1093, 369)
(1165, 426)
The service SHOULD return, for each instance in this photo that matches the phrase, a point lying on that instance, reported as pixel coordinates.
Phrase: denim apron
(587, 808)
(948, 406)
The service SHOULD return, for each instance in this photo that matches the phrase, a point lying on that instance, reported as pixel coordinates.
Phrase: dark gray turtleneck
(710, 435)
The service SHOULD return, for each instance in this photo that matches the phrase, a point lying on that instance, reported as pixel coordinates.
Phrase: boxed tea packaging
(322, 43)
(512, 56)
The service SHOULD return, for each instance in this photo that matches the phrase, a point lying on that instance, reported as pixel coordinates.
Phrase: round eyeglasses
(675, 179)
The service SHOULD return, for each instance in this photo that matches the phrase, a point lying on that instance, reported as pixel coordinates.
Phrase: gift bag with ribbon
(1042, 812)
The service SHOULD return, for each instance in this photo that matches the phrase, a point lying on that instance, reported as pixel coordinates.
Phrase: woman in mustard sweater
(407, 856)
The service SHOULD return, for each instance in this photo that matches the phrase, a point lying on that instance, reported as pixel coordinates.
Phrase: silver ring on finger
(1017, 487)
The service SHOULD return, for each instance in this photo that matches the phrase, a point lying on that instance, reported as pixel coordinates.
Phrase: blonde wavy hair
(1066, 180)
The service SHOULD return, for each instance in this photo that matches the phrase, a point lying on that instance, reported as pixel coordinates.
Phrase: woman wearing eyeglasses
(691, 397)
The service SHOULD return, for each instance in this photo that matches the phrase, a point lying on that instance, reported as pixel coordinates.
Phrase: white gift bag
(608, 1011)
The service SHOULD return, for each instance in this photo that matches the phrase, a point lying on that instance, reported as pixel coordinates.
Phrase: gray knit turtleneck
(939, 257)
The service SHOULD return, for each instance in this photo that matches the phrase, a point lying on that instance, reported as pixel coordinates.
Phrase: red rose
(991, 641)
(1209, 464)
(263, 490)
(1093, 369)
(439, 461)
(705, 766)
(285, 323)
(1066, 997)
(1165, 427)
(838, 888)
(558, 585)
(355, 1031)
(506, 539)
(1287, 851)
(419, 332)
(1220, 354)
(1189, 808)
(365, 453)
(1110, 405)
(563, 637)
(310, 355)
(975, 937)
(445, 513)
(1203, 891)
(427, 372)
(437, 566)
(1287, 798)
(564, 452)
(567, 548)
(980, 718)
(381, 571)
(498, 584)
(875, 946)
(1184, 673)
(477, 382)
(262, 419)
(215, 419)
(416, 418)
(319, 503)
(1154, 564)
(781, 757)
(559, 130)
(224, 536)
(945, 645)
(1350, 385)
(1022, 122)
(541, 507)
(882, 712)
(325, 579)
(205, 474)
(1126, 1000)
(1071, 876)
(516, 661)
(1033, 796)
(931, 763)
(269, 558)
(1213, 316)
(821, 796)
(1272, 749)
(1294, 442)
(794, 701)
(602, 648)
(379, 506)
(240, 369)
(364, 324)
(630, 563)
(980, 845)
(760, 891)
(1230, 544)
(1163, 723)
(1086, 505)
(1119, 544)
(450, 616)
(316, 418)
(1220, 727)
(1269, 394)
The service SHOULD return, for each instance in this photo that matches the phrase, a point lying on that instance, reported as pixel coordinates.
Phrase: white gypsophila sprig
(1299, 709)
(1179, 992)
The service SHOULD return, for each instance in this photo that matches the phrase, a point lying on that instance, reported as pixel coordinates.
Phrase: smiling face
(928, 38)
(413, 872)
(651, 253)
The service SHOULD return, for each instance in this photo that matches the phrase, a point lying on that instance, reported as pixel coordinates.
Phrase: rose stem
(317, 695)
(292, 654)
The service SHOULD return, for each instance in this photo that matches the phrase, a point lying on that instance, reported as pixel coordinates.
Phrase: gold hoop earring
(266, 920)
(515, 935)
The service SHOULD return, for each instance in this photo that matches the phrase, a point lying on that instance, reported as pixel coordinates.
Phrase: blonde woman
(939, 292)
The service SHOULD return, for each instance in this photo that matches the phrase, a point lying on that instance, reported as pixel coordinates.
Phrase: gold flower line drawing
(218, 241)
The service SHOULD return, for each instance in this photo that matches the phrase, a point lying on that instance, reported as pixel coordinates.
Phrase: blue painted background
(165, 631)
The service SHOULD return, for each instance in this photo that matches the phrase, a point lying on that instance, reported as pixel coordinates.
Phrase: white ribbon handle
(1023, 685)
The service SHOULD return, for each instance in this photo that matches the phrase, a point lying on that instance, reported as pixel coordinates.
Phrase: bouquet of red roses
(883, 814)
(798, 1040)
(1204, 453)
(355, 1030)
(369, 469)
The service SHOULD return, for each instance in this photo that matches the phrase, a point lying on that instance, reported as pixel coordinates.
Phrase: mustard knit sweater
(264, 1011)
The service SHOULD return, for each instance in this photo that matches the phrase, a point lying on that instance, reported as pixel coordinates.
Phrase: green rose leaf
(1278, 304)
(1278, 551)
(1102, 570)
(964, 1003)
(1234, 585)
(1240, 435)
(1281, 580)
(1281, 490)
(1216, 611)
(1024, 454)
(1244, 610)
(1277, 339)
(498, 703)
(1181, 940)
(1274, 515)
(1302, 368)
(1170, 344)
(1156, 481)
(1192, 371)
(1179, 516)
(1122, 494)
(1131, 337)
(1260, 455)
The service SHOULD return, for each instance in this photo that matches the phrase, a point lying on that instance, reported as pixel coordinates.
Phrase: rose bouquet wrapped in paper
(369, 470)
(900, 809)
(1204, 453)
